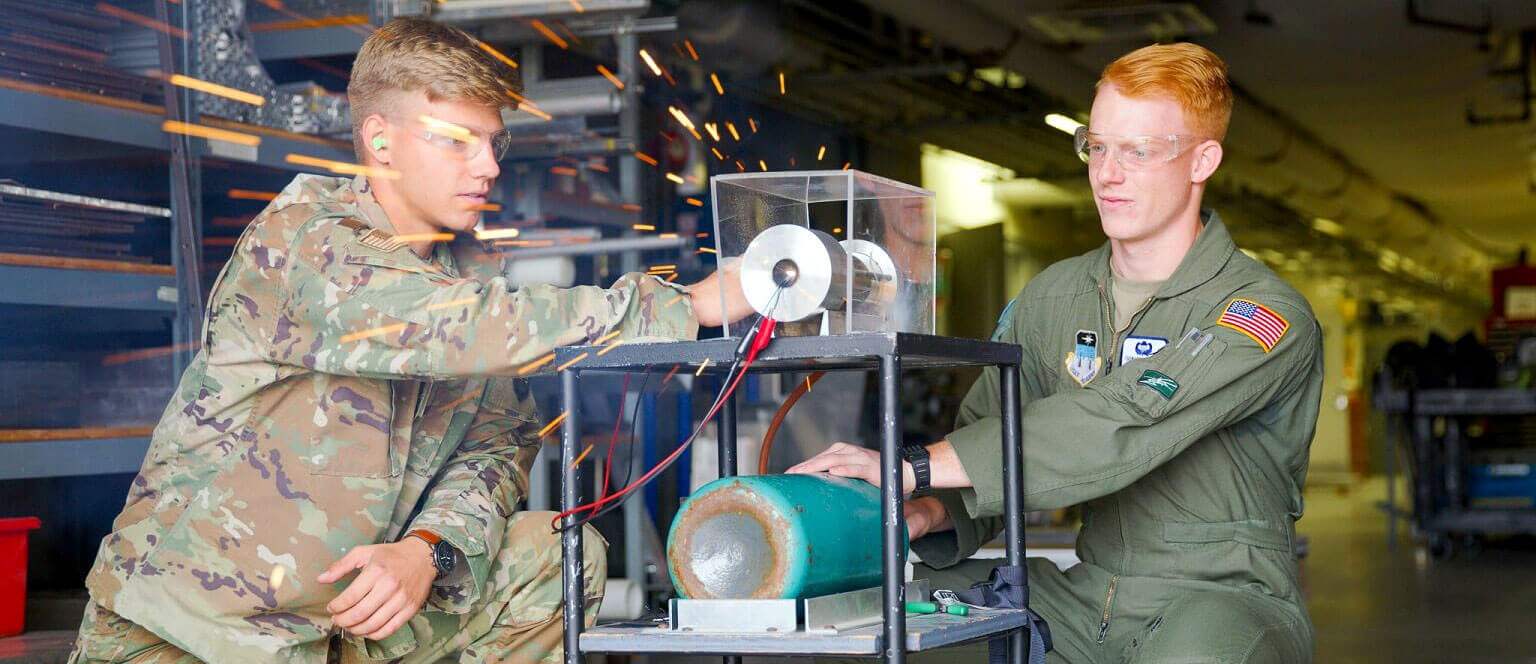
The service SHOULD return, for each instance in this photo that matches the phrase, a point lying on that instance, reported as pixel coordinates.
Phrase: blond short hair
(1187, 73)
(418, 55)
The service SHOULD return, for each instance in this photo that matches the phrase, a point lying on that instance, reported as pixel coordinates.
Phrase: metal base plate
(924, 632)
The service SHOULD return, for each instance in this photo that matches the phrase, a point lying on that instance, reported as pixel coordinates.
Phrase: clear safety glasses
(462, 141)
(1134, 153)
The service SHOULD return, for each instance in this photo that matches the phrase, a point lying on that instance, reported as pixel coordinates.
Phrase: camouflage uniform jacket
(342, 397)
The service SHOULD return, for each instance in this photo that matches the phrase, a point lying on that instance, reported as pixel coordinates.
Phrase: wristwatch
(917, 455)
(444, 556)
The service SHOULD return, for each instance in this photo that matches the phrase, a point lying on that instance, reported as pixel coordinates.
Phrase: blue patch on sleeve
(1004, 322)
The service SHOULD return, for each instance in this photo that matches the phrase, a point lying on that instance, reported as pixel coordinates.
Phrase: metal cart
(886, 353)
(1441, 508)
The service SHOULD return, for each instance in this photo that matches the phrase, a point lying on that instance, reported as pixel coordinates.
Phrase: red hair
(1186, 73)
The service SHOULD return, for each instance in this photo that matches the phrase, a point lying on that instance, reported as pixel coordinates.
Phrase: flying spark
(425, 237)
(498, 234)
(496, 54)
(446, 128)
(570, 362)
(719, 89)
(649, 62)
(611, 78)
(551, 426)
(342, 167)
(453, 303)
(216, 89)
(549, 34)
(209, 133)
(531, 366)
(378, 331)
(249, 195)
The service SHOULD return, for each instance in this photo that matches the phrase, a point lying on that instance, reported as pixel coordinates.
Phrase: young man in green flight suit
(337, 475)
(1170, 387)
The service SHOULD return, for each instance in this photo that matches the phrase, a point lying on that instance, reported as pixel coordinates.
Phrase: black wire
(725, 386)
(634, 416)
(720, 397)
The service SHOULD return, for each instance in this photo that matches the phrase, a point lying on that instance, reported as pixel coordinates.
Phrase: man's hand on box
(706, 296)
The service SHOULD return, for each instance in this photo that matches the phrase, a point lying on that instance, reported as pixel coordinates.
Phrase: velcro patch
(380, 240)
(1255, 320)
(1159, 382)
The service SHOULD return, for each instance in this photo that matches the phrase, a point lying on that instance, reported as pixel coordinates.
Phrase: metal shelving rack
(1440, 509)
(888, 354)
(47, 281)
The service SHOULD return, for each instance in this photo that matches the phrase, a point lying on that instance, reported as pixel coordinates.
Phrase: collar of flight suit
(1211, 251)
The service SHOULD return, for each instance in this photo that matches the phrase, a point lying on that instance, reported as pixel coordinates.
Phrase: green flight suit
(1188, 460)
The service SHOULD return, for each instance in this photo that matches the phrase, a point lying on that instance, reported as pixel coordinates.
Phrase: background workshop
(891, 174)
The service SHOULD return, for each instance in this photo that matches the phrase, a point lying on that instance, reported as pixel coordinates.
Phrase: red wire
(763, 335)
(617, 422)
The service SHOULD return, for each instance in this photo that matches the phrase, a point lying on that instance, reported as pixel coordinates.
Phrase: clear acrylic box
(867, 214)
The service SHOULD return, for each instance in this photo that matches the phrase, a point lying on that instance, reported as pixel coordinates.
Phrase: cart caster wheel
(1441, 547)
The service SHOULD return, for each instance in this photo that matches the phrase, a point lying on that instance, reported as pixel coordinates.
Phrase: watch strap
(922, 474)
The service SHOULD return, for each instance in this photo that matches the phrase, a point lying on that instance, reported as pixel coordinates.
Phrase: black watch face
(443, 557)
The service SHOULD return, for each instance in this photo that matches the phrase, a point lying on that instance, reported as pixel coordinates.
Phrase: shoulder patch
(380, 240)
(1004, 321)
(1159, 382)
(1254, 320)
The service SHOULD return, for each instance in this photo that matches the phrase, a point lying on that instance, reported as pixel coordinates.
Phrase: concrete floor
(1369, 605)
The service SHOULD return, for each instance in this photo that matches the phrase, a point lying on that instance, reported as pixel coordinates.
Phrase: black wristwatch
(444, 556)
(917, 455)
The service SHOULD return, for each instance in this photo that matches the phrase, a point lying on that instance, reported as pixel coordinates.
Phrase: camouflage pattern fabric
(343, 380)
(519, 621)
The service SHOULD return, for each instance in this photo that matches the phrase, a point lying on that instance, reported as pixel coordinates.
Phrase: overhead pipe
(1265, 151)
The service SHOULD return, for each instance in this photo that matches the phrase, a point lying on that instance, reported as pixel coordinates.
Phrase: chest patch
(1136, 348)
(1084, 361)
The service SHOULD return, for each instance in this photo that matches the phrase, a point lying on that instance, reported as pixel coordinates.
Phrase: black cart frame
(886, 353)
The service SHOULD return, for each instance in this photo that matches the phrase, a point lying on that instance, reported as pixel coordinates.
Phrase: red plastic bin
(13, 572)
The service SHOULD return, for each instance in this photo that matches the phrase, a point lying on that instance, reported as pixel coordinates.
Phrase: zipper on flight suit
(1109, 323)
(1109, 600)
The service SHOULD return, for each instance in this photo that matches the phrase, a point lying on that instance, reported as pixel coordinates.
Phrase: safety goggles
(461, 141)
(1133, 153)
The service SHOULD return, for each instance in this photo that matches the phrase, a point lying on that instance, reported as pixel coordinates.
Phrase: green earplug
(379, 142)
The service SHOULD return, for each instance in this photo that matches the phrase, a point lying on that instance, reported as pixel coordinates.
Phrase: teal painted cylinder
(776, 536)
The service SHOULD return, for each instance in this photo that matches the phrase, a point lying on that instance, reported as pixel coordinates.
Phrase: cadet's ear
(375, 143)
(1207, 157)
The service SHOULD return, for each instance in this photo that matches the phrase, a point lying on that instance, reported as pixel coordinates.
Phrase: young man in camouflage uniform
(338, 472)
(1170, 386)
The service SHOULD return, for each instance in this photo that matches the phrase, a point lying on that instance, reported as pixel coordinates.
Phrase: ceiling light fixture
(1063, 123)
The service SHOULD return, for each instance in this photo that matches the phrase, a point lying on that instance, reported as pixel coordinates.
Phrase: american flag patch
(1257, 321)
